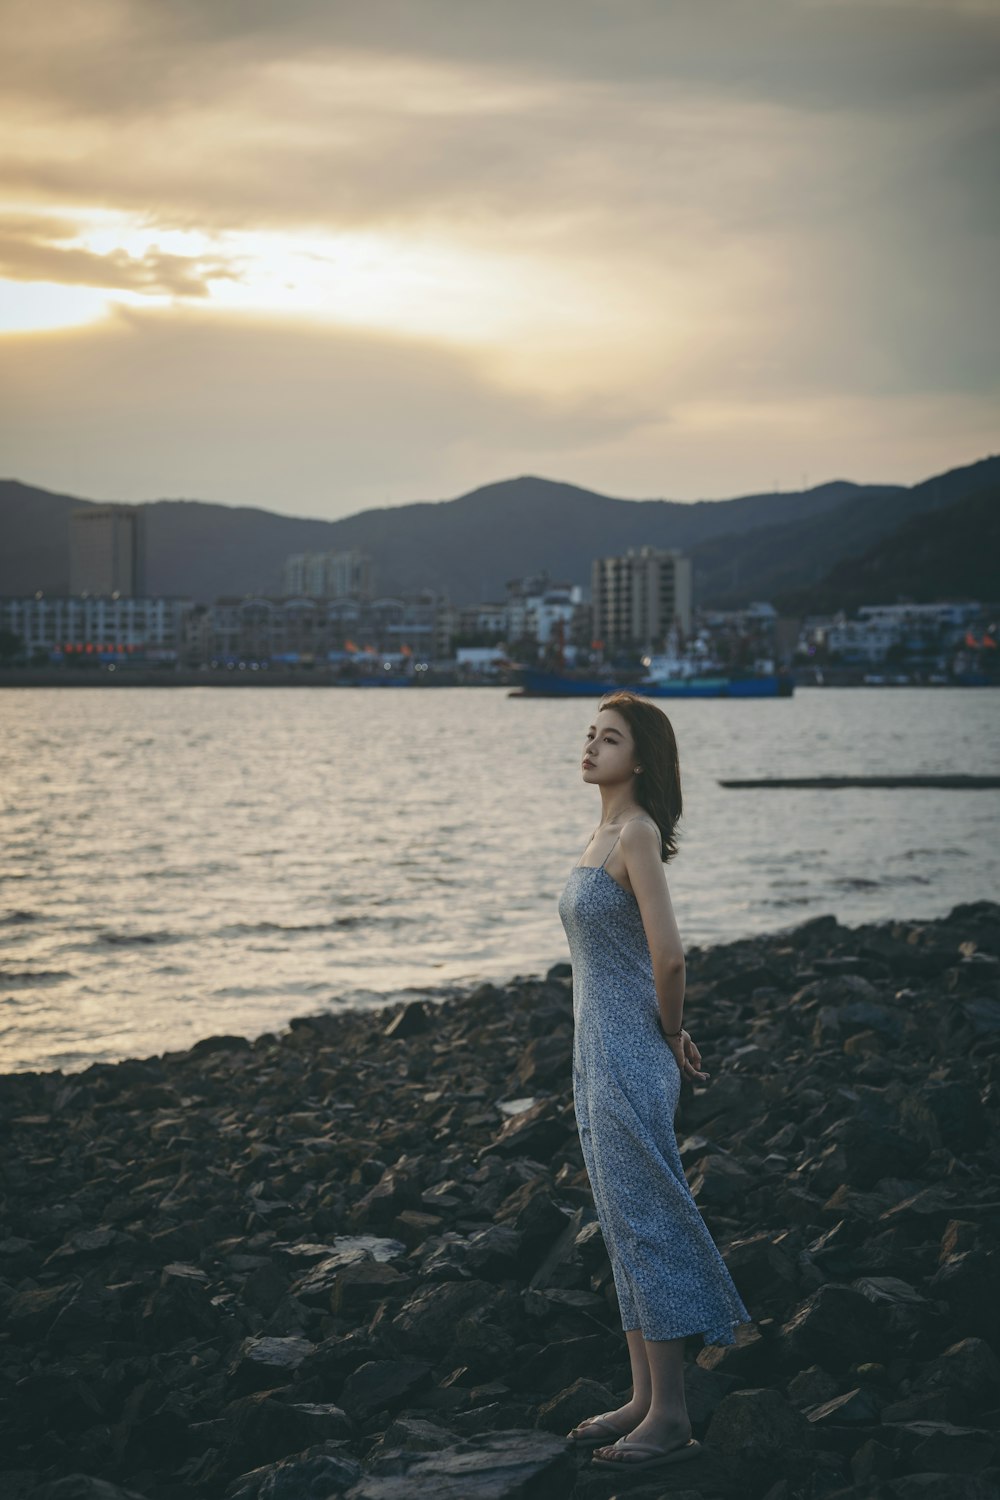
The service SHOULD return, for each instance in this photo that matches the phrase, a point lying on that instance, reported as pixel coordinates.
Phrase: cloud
(610, 232)
(131, 56)
(265, 411)
(165, 404)
(30, 250)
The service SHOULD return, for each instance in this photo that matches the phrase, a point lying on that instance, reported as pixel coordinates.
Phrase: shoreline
(363, 1250)
(194, 677)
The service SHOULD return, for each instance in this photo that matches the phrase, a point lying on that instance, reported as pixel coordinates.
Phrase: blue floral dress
(670, 1278)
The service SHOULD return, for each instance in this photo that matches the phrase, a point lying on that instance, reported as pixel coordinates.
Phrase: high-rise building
(107, 551)
(640, 597)
(327, 575)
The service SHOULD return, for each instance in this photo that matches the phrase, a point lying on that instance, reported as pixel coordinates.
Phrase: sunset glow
(632, 250)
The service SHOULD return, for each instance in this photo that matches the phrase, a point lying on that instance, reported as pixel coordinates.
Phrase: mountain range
(781, 546)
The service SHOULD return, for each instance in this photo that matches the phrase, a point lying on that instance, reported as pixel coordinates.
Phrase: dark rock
(860, 1406)
(495, 1253)
(942, 1447)
(177, 1233)
(720, 1182)
(756, 1425)
(833, 1327)
(515, 1465)
(750, 1359)
(364, 1283)
(537, 1132)
(566, 1410)
(968, 1367)
(427, 1319)
(811, 1388)
(959, 1113)
(260, 1430)
(545, 1061)
(412, 1020)
(382, 1385)
(941, 1487)
(82, 1487)
(316, 1474)
(263, 1363)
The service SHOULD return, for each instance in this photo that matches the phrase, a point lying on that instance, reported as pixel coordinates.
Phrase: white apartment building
(535, 605)
(95, 625)
(327, 575)
(879, 627)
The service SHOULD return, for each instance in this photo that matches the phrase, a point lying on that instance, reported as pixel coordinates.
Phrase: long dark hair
(658, 788)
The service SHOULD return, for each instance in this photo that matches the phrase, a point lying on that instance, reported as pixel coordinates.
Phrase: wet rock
(386, 1253)
(263, 1363)
(316, 1474)
(496, 1466)
(861, 1406)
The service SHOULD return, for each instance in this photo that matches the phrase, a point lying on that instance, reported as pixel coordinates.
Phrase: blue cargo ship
(538, 684)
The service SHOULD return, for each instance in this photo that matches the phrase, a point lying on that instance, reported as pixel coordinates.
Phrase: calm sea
(179, 862)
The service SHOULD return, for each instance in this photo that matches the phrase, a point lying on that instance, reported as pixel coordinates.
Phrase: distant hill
(952, 553)
(743, 548)
(793, 556)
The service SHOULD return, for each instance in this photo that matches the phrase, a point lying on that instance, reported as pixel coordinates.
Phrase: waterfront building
(328, 575)
(97, 626)
(911, 631)
(262, 627)
(640, 596)
(539, 607)
(107, 551)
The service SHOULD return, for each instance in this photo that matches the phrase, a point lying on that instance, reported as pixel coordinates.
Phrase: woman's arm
(640, 845)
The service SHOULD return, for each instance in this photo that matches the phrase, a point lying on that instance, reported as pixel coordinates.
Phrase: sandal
(657, 1457)
(586, 1434)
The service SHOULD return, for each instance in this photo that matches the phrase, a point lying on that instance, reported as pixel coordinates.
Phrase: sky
(324, 255)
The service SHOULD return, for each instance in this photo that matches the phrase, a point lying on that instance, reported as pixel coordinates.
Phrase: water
(180, 862)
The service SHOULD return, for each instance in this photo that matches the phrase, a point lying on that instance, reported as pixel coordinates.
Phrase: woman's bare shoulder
(641, 821)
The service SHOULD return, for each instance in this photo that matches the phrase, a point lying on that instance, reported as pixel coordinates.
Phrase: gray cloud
(262, 412)
(790, 204)
(812, 54)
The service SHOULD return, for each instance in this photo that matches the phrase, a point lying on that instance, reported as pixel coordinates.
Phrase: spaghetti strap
(613, 846)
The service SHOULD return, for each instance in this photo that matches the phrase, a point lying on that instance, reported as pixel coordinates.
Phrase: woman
(630, 1052)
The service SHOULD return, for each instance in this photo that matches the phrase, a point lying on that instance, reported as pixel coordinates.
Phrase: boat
(538, 684)
(668, 674)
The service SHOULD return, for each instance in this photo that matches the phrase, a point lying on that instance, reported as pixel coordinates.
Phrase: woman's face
(608, 749)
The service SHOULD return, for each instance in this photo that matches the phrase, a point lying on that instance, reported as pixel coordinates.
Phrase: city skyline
(366, 255)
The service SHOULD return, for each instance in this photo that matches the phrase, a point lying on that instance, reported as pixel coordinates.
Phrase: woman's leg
(666, 1421)
(636, 1407)
(642, 1388)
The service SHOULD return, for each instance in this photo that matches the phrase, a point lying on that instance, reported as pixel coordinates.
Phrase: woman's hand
(687, 1055)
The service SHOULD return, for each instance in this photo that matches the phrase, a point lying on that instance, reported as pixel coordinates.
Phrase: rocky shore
(360, 1259)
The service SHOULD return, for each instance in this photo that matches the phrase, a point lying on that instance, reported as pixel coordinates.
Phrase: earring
(638, 769)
